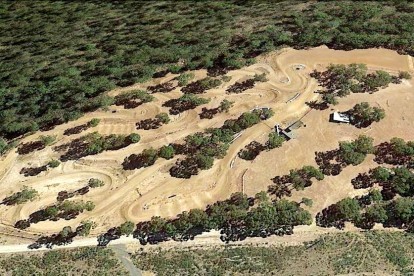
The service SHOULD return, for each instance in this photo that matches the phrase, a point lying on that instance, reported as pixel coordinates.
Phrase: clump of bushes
(78, 129)
(238, 217)
(53, 163)
(6, 146)
(349, 153)
(85, 228)
(92, 183)
(395, 152)
(354, 153)
(166, 152)
(397, 180)
(126, 228)
(363, 115)
(404, 75)
(275, 140)
(95, 143)
(162, 87)
(32, 171)
(184, 78)
(23, 196)
(253, 149)
(40, 144)
(95, 183)
(160, 119)
(63, 210)
(297, 179)
(224, 106)
(364, 211)
(185, 102)
(132, 99)
(200, 86)
(239, 87)
(340, 80)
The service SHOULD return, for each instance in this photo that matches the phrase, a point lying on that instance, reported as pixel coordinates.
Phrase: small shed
(338, 117)
(288, 135)
(287, 132)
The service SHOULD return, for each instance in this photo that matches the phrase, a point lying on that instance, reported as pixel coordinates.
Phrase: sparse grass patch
(331, 254)
(84, 261)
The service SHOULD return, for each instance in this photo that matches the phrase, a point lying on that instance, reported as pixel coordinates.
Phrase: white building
(340, 118)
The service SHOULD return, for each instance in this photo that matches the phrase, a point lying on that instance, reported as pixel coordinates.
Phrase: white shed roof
(340, 117)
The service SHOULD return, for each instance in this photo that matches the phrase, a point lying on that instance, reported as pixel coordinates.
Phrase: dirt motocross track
(140, 194)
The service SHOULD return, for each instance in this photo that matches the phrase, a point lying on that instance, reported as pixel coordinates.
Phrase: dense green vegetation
(395, 152)
(84, 261)
(275, 141)
(59, 58)
(366, 253)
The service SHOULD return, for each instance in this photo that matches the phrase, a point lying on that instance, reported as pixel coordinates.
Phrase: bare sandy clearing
(138, 195)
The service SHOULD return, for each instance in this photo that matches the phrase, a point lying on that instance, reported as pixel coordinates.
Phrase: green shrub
(166, 152)
(275, 140)
(225, 105)
(226, 78)
(53, 163)
(260, 77)
(184, 78)
(126, 228)
(23, 196)
(94, 122)
(85, 228)
(95, 183)
(6, 146)
(47, 140)
(163, 117)
(404, 75)
(134, 137)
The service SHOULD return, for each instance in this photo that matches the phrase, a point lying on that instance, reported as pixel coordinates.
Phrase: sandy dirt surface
(138, 195)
